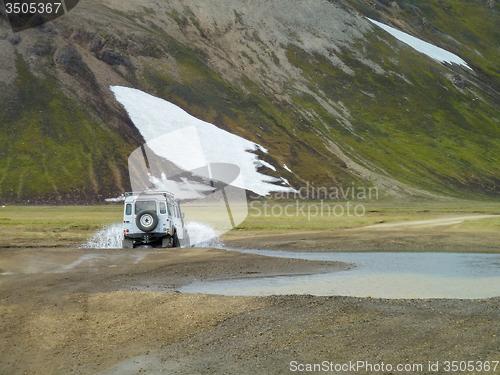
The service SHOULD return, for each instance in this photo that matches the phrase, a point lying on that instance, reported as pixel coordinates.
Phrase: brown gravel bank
(86, 311)
(83, 310)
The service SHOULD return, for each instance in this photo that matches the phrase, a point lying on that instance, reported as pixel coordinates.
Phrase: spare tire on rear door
(146, 220)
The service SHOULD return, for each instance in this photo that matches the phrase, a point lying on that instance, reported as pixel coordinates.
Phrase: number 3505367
(32, 8)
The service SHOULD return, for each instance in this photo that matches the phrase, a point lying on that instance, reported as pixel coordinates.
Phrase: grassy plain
(60, 226)
(53, 226)
(312, 217)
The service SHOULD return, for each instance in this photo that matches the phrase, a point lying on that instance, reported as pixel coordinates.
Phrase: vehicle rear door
(176, 218)
(163, 217)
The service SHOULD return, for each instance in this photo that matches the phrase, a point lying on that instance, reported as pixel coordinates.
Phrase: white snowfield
(191, 143)
(428, 49)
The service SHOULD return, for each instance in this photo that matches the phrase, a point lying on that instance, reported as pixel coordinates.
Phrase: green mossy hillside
(52, 148)
(395, 113)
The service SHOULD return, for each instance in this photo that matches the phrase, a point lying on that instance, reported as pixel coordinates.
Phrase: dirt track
(444, 234)
(429, 222)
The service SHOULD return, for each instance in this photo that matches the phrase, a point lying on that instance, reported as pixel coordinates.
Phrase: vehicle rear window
(128, 209)
(145, 205)
(163, 208)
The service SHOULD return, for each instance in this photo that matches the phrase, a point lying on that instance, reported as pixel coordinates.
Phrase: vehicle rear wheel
(167, 241)
(176, 240)
(146, 220)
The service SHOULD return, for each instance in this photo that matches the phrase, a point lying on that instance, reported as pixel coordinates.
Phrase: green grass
(56, 226)
(265, 219)
(488, 224)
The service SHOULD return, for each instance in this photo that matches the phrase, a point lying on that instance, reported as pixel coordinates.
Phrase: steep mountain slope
(335, 98)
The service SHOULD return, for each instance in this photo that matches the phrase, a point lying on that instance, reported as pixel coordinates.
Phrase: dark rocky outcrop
(67, 55)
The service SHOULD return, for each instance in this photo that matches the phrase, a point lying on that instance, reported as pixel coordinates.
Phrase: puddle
(148, 364)
(93, 260)
(378, 275)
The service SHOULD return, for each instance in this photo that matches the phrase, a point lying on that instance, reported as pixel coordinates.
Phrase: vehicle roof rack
(150, 192)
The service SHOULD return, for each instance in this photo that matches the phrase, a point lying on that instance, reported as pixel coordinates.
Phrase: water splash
(109, 237)
(203, 235)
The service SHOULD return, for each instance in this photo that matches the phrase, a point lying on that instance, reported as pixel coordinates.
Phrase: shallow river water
(380, 274)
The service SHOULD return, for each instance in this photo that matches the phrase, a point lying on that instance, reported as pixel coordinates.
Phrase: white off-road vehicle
(153, 218)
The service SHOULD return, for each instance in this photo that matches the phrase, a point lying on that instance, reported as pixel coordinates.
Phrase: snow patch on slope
(197, 143)
(428, 49)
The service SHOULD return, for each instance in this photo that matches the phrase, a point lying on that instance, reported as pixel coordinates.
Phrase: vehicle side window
(163, 208)
(128, 209)
(177, 211)
(169, 209)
